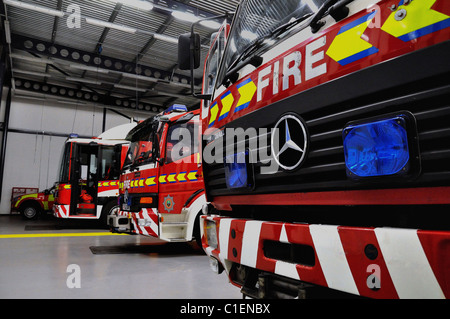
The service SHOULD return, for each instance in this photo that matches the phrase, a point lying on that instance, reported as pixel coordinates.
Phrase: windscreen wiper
(248, 56)
(336, 8)
(245, 58)
(289, 25)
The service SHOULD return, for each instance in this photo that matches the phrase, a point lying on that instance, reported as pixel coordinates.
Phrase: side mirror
(188, 45)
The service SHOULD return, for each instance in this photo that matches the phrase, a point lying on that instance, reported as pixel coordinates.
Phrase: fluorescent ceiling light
(185, 16)
(68, 78)
(139, 77)
(7, 32)
(189, 17)
(88, 68)
(33, 7)
(210, 24)
(32, 73)
(110, 25)
(131, 88)
(144, 5)
(30, 59)
(166, 38)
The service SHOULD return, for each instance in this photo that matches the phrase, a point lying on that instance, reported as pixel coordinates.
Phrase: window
(141, 147)
(108, 170)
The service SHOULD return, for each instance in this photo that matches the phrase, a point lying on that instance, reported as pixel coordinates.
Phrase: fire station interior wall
(32, 160)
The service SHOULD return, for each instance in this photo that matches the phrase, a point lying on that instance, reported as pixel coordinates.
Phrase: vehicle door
(180, 174)
(84, 180)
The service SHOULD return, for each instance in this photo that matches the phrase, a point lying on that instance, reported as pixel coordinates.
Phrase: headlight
(211, 233)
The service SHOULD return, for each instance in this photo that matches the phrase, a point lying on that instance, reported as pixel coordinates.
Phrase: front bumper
(119, 223)
(362, 261)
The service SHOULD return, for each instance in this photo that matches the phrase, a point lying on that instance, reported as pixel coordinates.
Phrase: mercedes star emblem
(289, 142)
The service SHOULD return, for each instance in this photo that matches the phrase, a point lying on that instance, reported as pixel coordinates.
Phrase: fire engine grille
(427, 97)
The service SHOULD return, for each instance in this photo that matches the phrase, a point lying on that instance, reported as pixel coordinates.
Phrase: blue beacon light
(377, 148)
(236, 171)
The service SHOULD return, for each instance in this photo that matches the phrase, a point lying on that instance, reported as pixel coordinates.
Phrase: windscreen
(140, 150)
(258, 19)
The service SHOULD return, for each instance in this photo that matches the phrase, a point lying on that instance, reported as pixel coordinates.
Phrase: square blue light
(236, 170)
(377, 148)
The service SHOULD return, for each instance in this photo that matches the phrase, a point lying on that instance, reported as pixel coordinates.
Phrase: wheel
(108, 209)
(30, 212)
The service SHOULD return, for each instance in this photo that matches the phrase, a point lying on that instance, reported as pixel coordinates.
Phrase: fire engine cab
(88, 180)
(326, 147)
(161, 185)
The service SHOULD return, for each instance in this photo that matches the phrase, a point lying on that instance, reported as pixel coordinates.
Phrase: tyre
(30, 212)
(108, 209)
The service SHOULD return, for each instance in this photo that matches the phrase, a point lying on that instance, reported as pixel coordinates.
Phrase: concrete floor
(33, 265)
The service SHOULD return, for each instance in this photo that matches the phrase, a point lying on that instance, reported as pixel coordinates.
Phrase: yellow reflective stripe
(58, 235)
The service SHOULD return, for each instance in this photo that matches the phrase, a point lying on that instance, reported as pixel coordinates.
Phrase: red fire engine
(88, 180)
(331, 121)
(161, 185)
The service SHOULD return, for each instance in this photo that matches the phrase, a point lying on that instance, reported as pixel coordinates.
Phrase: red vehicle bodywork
(165, 196)
(314, 226)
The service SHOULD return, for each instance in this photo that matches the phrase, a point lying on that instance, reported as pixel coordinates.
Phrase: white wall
(33, 160)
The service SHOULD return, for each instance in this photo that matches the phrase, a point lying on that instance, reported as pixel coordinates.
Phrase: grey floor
(109, 266)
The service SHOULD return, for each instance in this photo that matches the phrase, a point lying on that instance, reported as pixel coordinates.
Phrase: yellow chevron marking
(191, 176)
(171, 178)
(181, 177)
(162, 179)
(150, 181)
(348, 46)
(414, 20)
(213, 114)
(247, 90)
(227, 103)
